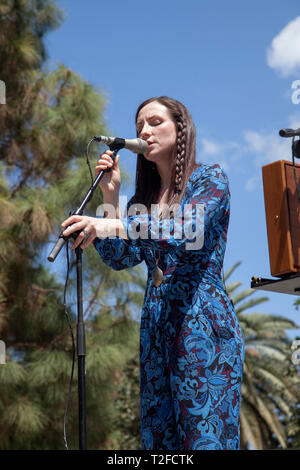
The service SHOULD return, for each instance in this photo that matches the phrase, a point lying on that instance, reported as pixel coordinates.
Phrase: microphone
(135, 145)
(289, 132)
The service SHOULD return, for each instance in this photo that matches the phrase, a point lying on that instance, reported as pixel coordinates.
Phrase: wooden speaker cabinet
(282, 208)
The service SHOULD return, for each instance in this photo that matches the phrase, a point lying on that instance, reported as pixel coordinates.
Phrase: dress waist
(210, 274)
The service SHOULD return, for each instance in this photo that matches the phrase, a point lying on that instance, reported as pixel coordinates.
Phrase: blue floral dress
(191, 344)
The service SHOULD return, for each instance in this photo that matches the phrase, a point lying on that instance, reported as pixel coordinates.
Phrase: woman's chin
(151, 157)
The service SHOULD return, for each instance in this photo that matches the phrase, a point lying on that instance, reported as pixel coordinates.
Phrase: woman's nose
(145, 132)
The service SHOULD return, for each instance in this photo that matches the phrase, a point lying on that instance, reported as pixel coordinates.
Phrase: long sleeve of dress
(118, 253)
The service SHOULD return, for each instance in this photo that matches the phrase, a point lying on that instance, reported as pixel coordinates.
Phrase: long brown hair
(147, 182)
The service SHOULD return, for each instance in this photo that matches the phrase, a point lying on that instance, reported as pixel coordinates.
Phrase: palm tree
(270, 388)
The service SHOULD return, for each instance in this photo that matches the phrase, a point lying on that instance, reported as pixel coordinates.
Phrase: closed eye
(154, 121)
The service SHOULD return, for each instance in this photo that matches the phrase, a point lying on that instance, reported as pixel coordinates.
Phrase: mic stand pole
(81, 350)
(81, 353)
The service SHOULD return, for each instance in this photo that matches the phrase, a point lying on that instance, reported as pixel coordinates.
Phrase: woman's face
(156, 126)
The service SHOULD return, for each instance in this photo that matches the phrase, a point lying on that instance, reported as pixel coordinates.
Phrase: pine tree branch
(57, 163)
(20, 346)
(117, 322)
(85, 314)
(91, 302)
(62, 335)
(23, 181)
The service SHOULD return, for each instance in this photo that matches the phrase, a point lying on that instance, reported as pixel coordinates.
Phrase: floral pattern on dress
(191, 344)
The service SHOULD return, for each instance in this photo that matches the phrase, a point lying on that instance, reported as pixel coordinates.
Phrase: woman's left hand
(90, 227)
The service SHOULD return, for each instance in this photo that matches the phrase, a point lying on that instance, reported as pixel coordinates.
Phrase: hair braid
(180, 155)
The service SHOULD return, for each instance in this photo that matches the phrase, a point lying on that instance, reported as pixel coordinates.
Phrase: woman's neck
(165, 174)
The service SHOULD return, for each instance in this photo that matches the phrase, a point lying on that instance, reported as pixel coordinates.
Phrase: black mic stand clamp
(81, 348)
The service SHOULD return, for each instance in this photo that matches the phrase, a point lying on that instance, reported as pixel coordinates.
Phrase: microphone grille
(142, 145)
(136, 145)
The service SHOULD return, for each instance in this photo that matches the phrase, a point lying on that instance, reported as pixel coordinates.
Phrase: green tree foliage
(45, 125)
(293, 424)
(128, 405)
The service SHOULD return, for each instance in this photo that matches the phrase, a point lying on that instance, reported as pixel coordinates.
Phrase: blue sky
(231, 63)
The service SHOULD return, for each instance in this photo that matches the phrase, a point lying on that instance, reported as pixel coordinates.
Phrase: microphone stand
(81, 349)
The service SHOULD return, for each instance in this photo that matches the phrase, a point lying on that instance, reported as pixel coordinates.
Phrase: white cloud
(212, 152)
(294, 121)
(252, 183)
(267, 148)
(284, 53)
(255, 149)
(209, 147)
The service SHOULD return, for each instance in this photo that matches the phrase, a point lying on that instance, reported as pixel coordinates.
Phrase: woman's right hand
(110, 182)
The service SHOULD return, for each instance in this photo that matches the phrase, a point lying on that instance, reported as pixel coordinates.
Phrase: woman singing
(191, 345)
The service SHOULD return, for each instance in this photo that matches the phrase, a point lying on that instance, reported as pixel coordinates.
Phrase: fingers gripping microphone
(135, 145)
